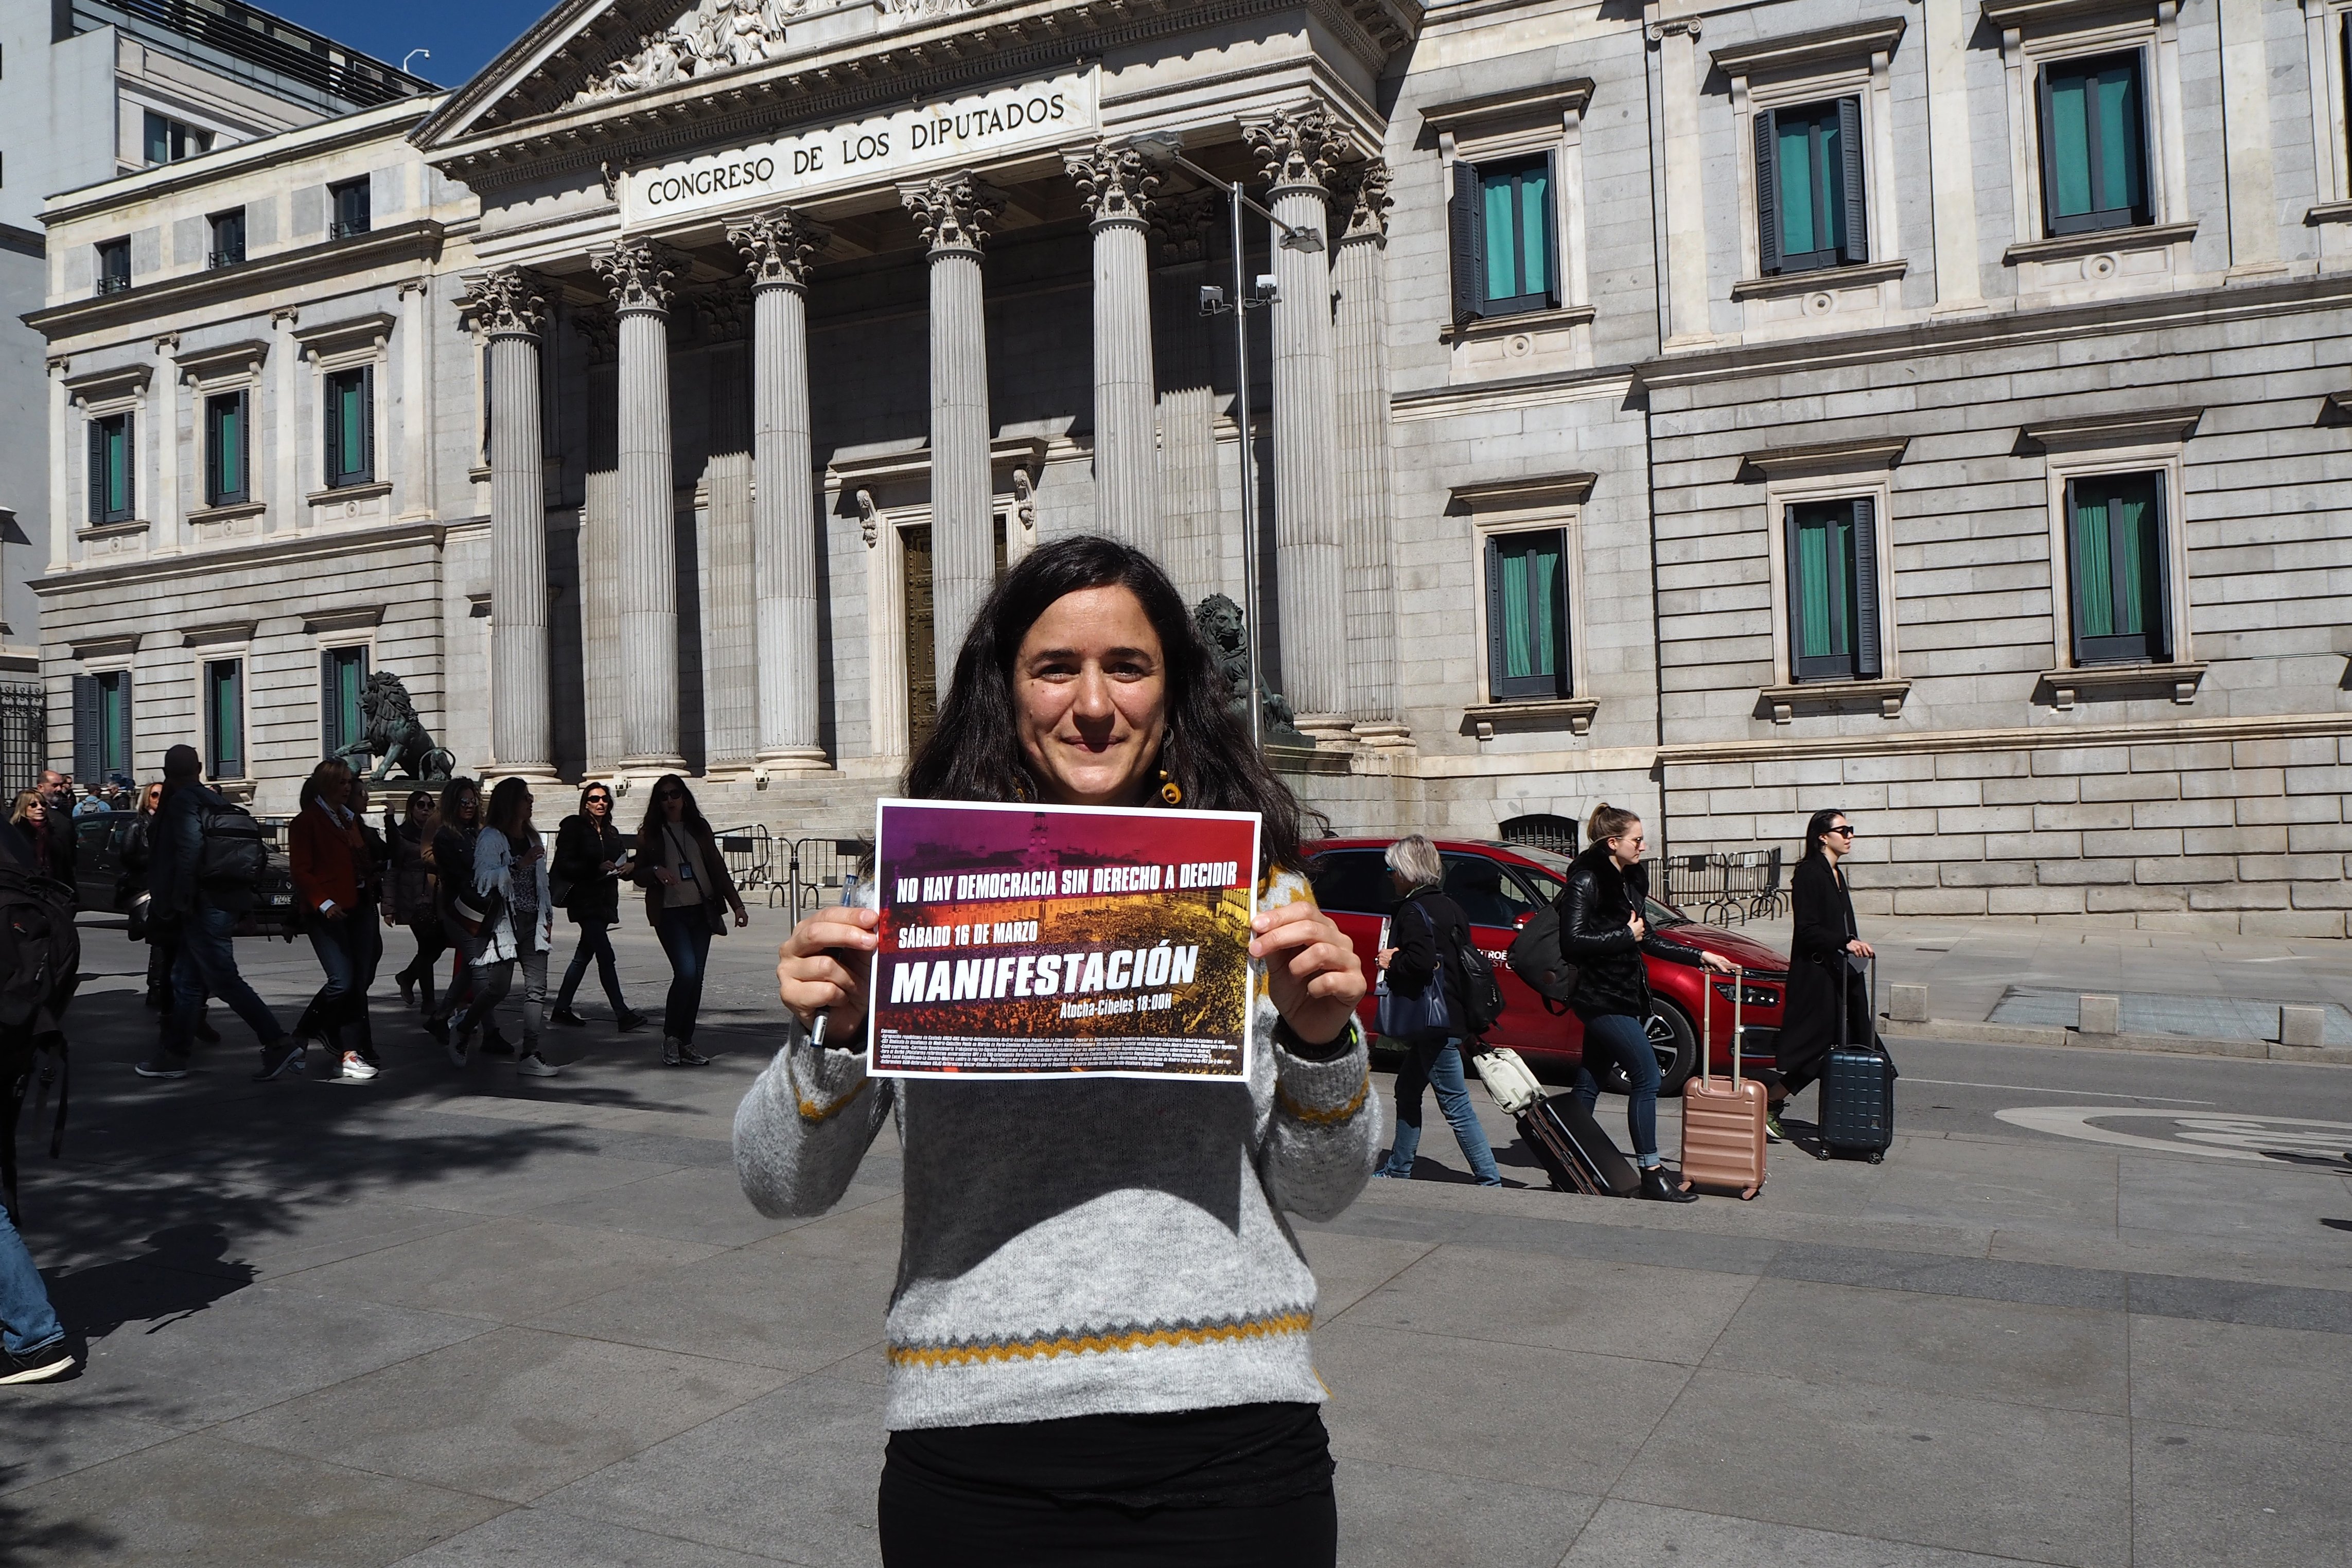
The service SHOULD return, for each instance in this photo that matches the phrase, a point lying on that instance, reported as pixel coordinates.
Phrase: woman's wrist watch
(1331, 1050)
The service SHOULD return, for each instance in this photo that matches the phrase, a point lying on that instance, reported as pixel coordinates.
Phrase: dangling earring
(1168, 790)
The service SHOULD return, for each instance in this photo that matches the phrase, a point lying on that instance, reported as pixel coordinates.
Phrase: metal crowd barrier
(749, 853)
(814, 876)
(1723, 888)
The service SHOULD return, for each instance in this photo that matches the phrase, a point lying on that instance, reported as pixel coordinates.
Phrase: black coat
(1424, 947)
(581, 852)
(1594, 907)
(1823, 912)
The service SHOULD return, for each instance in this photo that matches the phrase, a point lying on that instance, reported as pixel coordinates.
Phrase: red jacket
(325, 856)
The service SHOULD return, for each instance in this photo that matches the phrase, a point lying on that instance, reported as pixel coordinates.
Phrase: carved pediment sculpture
(716, 36)
(907, 13)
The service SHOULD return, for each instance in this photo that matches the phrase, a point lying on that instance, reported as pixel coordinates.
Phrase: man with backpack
(207, 862)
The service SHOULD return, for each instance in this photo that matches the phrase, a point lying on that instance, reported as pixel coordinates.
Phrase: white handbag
(1507, 1079)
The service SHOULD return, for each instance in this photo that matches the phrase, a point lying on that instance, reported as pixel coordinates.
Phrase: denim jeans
(347, 950)
(595, 943)
(207, 966)
(1615, 1037)
(1439, 1067)
(685, 937)
(28, 1322)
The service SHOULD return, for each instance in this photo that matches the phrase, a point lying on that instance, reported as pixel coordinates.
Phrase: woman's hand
(1310, 968)
(1861, 949)
(742, 917)
(828, 962)
(1636, 926)
(1719, 963)
(1382, 957)
(665, 876)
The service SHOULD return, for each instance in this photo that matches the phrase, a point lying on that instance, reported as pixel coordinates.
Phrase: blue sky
(464, 35)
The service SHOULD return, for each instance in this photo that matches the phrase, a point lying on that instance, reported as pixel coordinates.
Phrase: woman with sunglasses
(685, 883)
(590, 861)
(1603, 931)
(1822, 942)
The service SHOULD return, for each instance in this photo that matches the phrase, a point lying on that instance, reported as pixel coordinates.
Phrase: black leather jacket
(1594, 907)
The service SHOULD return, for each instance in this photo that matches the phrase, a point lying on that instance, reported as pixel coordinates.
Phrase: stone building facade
(1934, 410)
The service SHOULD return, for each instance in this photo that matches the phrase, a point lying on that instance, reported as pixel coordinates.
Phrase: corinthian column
(1360, 275)
(507, 304)
(639, 272)
(778, 249)
(1116, 186)
(954, 211)
(1298, 150)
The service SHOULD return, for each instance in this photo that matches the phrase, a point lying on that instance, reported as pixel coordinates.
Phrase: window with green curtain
(225, 718)
(2118, 566)
(113, 486)
(1526, 613)
(113, 726)
(350, 428)
(1813, 186)
(2094, 144)
(1517, 216)
(1823, 589)
(342, 673)
(225, 480)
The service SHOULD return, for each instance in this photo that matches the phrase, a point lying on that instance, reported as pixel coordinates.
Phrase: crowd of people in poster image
(1098, 1349)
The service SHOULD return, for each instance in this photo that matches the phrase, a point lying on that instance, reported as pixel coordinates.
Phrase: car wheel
(1676, 1048)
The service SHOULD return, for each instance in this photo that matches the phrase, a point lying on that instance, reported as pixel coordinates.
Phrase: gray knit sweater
(1074, 1247)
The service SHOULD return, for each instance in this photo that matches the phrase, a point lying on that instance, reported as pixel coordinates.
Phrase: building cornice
(2030, 738)
(174, 297)
(1553, 101)
(1865, 455)
(272, 550)
(1811, 51)
(1999, 329)
(2007, 14)
(2139, 427)
(1540, 491)
(843, 78)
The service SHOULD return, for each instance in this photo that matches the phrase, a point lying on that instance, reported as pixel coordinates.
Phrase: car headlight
(1749, 995)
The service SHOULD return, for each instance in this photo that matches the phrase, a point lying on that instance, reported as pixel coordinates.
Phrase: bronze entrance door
(922, 675)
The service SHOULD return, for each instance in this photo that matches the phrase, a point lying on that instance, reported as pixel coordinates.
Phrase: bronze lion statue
(391, 732)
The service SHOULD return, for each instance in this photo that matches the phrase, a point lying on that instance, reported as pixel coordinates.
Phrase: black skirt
(1244, 1486)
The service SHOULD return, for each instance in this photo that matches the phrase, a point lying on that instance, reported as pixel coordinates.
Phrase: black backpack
(1482, 994)
(1535, 958)
(40, 964)
(232, 854)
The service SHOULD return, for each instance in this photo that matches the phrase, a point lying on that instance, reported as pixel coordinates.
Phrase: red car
(1499, 886)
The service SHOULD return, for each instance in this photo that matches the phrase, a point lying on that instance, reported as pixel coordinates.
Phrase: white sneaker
(534, 1065)
(356, 1069)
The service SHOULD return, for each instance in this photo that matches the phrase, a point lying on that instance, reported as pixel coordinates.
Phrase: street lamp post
(1167, 149)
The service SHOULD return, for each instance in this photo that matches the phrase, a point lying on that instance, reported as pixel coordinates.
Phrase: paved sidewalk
(453, 1319)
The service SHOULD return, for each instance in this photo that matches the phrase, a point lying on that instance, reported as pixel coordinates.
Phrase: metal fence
(814, 875)
(750, 856)
(24, 735)
(1724, 888)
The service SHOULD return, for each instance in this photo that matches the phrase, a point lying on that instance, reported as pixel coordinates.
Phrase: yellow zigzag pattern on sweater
(1159, 1336)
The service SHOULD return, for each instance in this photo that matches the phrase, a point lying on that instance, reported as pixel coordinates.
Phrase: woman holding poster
(1099, 1344)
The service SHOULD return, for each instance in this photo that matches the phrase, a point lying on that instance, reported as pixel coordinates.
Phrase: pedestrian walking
(57, 796)
(1823, 939)
(331, 868)
(585, 880)
(409, 894)
(32, 1346)
(517, 926)
(1098, 1348)
(374, 868)
(688, 894)
(462, 919)
(203, 875)
(1603, 933)
(1424, 931)
(29, 815)
(133, 897)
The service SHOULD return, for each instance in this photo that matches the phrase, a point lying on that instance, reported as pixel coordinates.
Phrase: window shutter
(2074, 573)
(1767, 198)
(333, 434)
(1554, 204)
(244, 444)
(1857, 205)
(1791, 574)
(330, 712)
(85, 726)
(1866, 663)
(213, 487)
(130, 465)
(122, 740)
(2049, 162)
(1496, 669)
(367, 423)
(2164, 587)
(97, 429)
(1466, 226)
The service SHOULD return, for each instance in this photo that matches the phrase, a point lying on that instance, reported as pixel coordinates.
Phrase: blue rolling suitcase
(1858, 1087)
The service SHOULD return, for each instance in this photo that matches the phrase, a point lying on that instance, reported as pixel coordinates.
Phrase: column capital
(955, 211)
(505, 303)
(1114, 183)
(1298, 147)
(779, 247)
(1359, 191)
(639, 273)
(1186, 224)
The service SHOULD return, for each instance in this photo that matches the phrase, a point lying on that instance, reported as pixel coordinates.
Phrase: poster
(1053, 940)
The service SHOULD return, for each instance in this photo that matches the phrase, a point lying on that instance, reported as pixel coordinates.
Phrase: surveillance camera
(1213, 299)
(1267, 289)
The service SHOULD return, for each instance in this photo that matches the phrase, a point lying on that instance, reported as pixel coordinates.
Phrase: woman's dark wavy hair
(454, 791)
(974, 749)
(1818, 828)
(691, 819)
